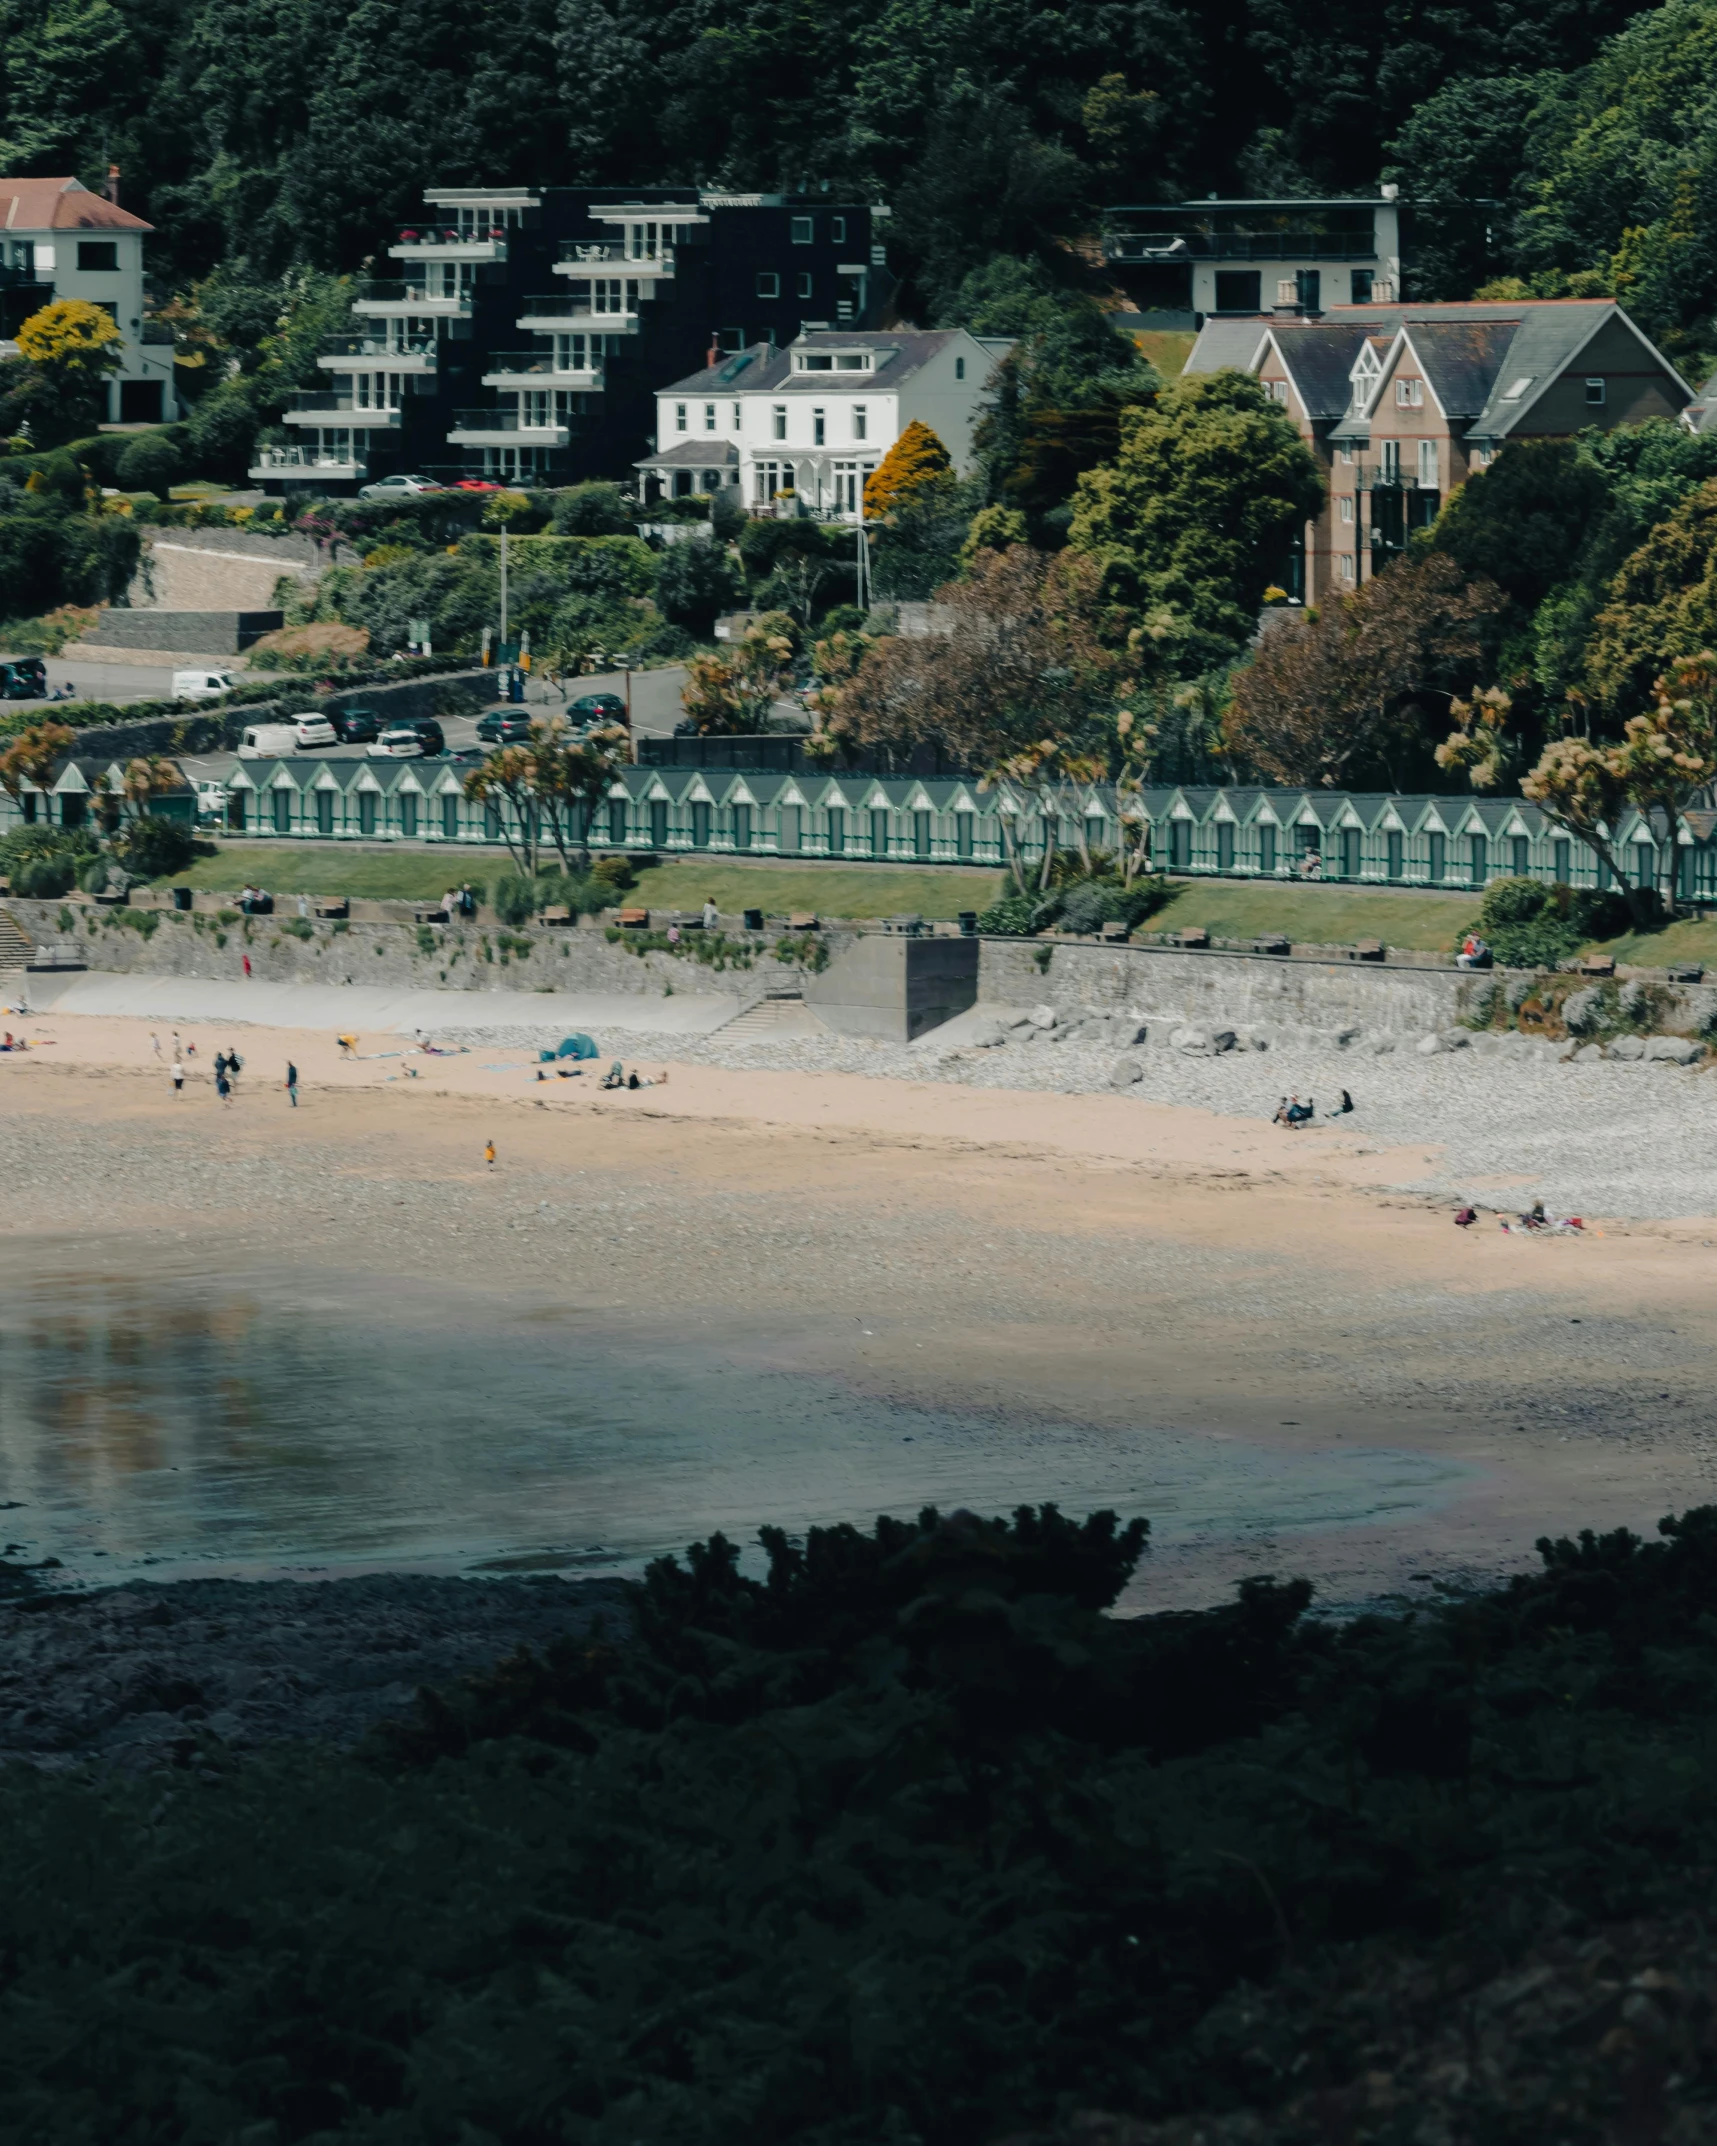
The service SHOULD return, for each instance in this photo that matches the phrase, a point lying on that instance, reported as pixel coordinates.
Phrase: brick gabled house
(1401, 404)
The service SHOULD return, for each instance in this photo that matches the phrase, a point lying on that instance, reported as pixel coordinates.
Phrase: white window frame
(681, 417)
(1430, 479)
(778, 421)
(861, 421)
(1597, 392)
(1344, 508)
(768, 283)
(1346, 566)
(819, 428)
(802, 230)
(709, 416)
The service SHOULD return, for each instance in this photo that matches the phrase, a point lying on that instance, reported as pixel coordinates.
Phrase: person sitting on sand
(1281, 1117)
(1342, 1108)
(1299, 1113)
(615, 1077)
(1465, 1217)
(348, 1046)
(1534, 1217)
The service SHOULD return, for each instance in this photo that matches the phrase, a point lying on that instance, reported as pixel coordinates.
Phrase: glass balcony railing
(420, 297)
(1240, 246)
(378, 346)
(606, 253)
(539, 364)
(450, 235)
(311, 400)
(561, 305)
(506, 421)
(306, 457)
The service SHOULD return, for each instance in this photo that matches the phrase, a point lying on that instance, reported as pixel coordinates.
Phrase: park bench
(433, 915)
(633, 919)
(1271, 943)
(1685, 972)
(1366, 950)
(1596, 965)
(559, 914)
(1194, 936)
(803, 920)
(1115, 931)
(333, 909)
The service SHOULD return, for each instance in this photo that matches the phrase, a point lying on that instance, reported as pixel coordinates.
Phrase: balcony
(317, 407)
(579, 255)
(1171, 246)
(411, 354)
(538, 368)
(305, 462)
(390, 298)
(449, 243)
(549, 310)
(504, 428)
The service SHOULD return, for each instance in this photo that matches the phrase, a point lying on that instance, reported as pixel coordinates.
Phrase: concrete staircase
(17, 948)
(779, 1018)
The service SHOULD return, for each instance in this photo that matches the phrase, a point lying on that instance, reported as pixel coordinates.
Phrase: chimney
(712, 356)
(111, 189)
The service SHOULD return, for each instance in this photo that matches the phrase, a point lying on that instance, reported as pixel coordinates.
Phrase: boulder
(1429, 1046)
(1627, 1047)
(1345, 1038)
(1457, 1039)
(1633, 999)
(1193, 1041)
(1381, 1046)
(1673, 1050)
(1125, 1072)
(1487, 1045)
(1581, 1010)
(1223, 1039)
(1014, 1019)
(1042, 1017)
(1588, 1054)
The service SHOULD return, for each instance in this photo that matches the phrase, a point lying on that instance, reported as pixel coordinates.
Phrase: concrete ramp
(368, 1006)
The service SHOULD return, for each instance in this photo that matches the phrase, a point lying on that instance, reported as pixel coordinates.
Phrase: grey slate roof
(1472, 353)
(768, 369)
(704, 453)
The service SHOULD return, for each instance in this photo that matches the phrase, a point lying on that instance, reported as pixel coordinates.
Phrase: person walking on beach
(489, 1154)
(155, 1044)
(223, 1088)
(292, 1084)
(178, 1078)
(235, 1064)
(247, 966)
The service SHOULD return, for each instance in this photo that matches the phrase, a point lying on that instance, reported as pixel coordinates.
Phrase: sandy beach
(1092, 1263)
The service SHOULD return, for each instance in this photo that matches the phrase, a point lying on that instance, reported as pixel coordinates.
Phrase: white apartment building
(59, 240)
(800, 428)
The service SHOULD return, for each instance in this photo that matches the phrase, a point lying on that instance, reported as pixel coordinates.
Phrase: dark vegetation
(905, 1839)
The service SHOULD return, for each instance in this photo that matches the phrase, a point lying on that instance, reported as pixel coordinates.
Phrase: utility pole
(503, 592)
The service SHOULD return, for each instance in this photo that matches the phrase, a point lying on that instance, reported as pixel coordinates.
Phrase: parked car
(268, 741)
(399, 742)
(202, 685)
(597, 709)
(313, 732)
(504, 726)
(477, 484)
(430, 731)
(398, 488)
(24, 678)
(356, 726)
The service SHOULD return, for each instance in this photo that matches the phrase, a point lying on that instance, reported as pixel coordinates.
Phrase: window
(1516, 388)
(1347, 566)
(1409, 394)
(802, 284)
(959, 368)
(679, 417)
(1266, 849)
(450, 818)
(768, 283)
(1595, 393)
(1278, 390)
(1344, 507)
(282, 812)
(324, 812)
(408, 815)
(819, 429)
(738, 410)
(778, 421)
(1395, 852)
(1428, 465)
(98, 256)
(700, 826)
(861, 422)
(1362, 278)
(804, 230)
(838, 230)
(1346, 458)
(742, 826)
(366, 812)
(1238, 290)
(1391, 470)
(709, 416)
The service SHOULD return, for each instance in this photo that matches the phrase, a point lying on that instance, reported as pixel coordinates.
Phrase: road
(118, 683)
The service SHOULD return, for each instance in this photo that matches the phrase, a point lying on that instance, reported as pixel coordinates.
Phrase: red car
(477, 484)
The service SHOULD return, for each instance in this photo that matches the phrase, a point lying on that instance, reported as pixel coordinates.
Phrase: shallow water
(196, 1425)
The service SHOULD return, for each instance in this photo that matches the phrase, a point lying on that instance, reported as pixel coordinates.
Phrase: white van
(268, 741)
(202, 685)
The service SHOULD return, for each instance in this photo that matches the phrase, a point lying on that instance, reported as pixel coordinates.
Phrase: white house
(813, 419)
(58, 240)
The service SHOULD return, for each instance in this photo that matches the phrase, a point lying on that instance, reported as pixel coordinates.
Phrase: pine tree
(915, 457)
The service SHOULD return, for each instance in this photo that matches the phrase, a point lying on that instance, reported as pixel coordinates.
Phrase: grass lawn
(1229, 909)
(1689, 939)
(420, 875)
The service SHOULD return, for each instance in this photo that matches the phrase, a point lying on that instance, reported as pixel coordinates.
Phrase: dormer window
(1516, 388)
(1409, 394)
(831, 361)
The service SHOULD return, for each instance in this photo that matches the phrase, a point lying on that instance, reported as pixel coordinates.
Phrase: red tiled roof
(61, 205)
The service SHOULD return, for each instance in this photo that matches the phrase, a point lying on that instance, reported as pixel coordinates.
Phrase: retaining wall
(462, 958)
(221, 727)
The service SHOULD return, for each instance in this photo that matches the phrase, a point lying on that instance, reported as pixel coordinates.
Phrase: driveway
(118, 683)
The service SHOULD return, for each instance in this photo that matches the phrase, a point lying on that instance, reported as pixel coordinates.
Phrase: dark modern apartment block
(528, 330)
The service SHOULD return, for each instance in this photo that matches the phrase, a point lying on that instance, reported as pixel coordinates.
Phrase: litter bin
(516, 685)
(754, 920)
(968, 923)
(181, 897)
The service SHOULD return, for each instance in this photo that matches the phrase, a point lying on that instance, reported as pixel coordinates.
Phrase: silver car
(398, 488)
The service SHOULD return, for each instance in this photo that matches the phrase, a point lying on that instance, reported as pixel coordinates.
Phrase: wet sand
(1091, 1268)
